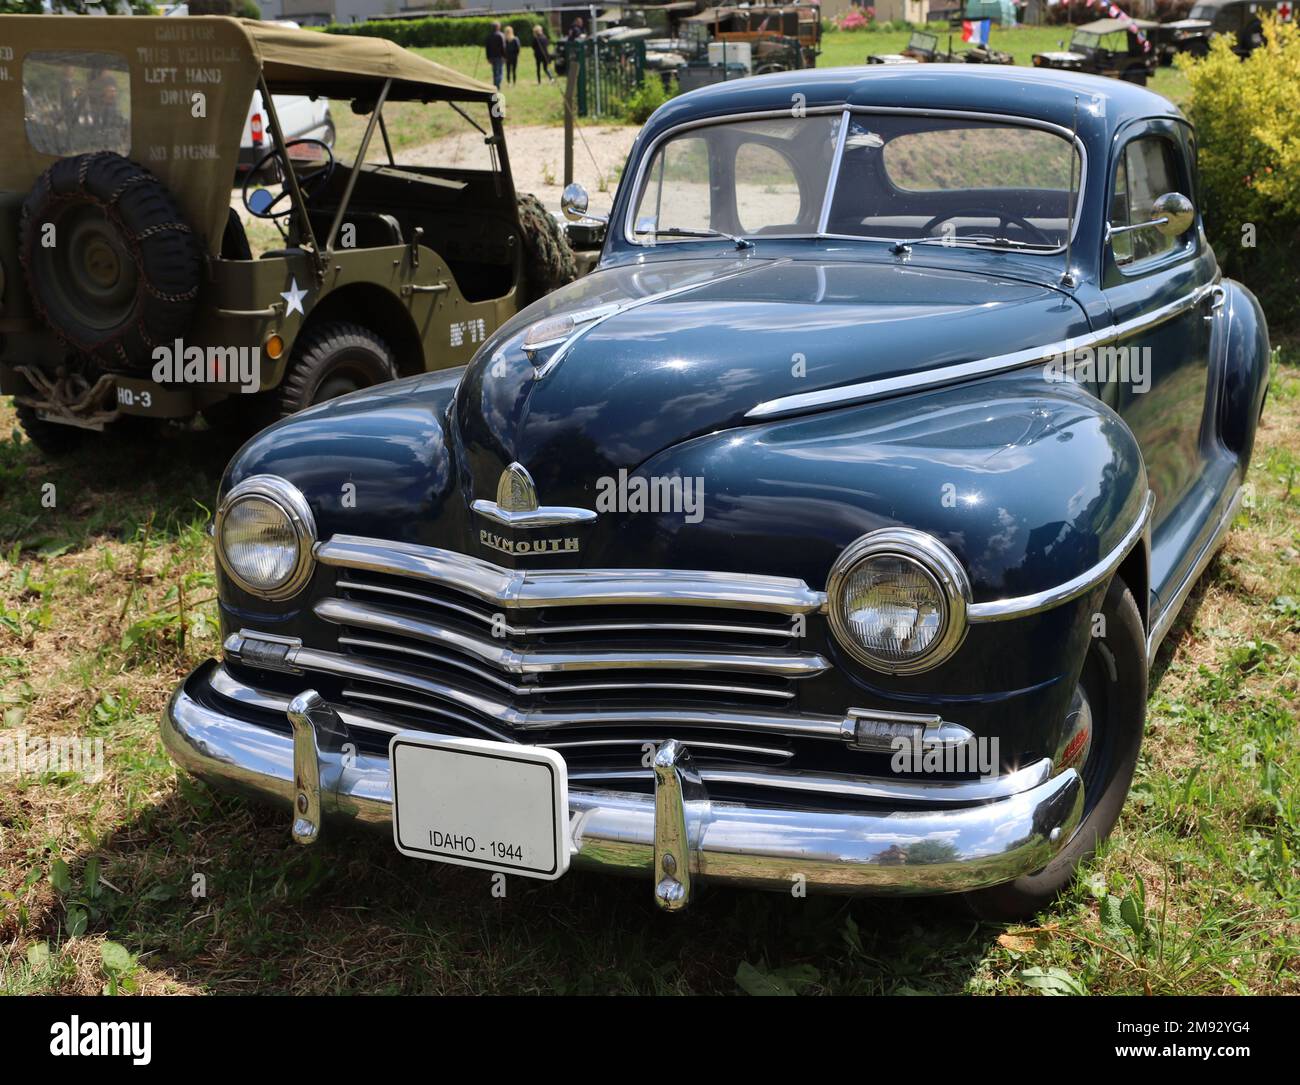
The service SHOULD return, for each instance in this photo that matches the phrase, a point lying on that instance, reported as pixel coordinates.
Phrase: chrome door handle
(1214, 302)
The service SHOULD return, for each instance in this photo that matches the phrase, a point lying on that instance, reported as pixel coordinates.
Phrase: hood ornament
(516, 504)
(516, 491)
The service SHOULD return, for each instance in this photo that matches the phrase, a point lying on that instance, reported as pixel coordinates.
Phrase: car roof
(345, 66)
(1042, 94)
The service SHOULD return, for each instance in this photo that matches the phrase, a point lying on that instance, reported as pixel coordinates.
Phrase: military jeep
(129, 283)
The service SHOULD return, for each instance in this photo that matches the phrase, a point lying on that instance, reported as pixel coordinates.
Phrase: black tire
(52, 438)
(1114, 680)
(124, 269)
(332, 359)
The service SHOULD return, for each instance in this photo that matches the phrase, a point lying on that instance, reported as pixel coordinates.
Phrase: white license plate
(490, 805)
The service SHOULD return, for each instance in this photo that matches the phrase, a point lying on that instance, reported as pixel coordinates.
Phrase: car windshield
(900, 178)
(1084, 39)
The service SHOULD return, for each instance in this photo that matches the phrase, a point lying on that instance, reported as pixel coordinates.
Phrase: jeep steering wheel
(309, 183)
(1005, 219)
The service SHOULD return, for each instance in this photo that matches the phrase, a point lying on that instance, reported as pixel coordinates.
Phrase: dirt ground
(537, 159)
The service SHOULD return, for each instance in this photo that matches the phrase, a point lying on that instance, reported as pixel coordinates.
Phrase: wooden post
(570, 101)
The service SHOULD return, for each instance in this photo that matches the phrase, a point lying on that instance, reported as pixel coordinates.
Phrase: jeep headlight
(264, 534)
(897, 600)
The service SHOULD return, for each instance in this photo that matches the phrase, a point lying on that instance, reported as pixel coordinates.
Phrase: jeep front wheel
(331, 360)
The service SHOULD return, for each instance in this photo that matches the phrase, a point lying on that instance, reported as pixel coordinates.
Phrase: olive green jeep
(128, 285)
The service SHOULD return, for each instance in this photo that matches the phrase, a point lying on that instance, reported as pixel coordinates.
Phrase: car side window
(1146, 172)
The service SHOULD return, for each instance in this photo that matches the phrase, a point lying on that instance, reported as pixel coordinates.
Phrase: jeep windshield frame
(637, 229)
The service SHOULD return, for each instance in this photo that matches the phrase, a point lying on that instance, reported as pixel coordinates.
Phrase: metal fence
(607, 73)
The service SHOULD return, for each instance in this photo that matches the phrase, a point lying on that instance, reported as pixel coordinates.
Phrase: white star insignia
(294, 298)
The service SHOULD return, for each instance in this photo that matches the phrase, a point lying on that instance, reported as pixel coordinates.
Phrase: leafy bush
(421, 33)
(643, 101)
(1244, 112)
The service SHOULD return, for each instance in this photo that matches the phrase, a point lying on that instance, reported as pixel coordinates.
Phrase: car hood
(693, 345)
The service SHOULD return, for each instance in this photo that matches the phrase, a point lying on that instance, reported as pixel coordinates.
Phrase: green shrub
(1249, 152)
(643, 101)
(444, 30)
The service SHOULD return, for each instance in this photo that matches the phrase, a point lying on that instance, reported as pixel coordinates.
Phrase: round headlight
(897, 600)
(265, 532)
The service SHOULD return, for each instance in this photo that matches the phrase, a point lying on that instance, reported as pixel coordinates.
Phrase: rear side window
(1146, 172)
(76, 101)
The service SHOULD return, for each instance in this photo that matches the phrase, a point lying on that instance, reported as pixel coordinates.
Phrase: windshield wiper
(976, 239)
(739, 242)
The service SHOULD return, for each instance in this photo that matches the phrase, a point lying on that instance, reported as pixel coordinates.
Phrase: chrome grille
(600, 664)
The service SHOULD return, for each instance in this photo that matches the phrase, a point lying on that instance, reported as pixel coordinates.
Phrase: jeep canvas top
(130, 286)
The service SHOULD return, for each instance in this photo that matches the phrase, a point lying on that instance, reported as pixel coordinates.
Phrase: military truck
(129, 283)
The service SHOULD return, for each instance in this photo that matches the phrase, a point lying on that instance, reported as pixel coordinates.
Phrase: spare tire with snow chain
(548, 257)
(112, 267)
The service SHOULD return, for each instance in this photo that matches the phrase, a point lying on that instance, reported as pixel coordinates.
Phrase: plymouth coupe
(820, 539)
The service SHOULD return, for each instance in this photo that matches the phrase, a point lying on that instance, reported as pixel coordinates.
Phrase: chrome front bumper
(919, 847)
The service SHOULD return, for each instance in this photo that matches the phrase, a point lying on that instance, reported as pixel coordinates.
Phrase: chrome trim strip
(784, 632)
(824, 218)
(352, 667)
(571, 587)
(728, 747)
(865, 391)
(738, 843)
(568, 687)
(1022, 606)
(543, 516)
(867, 788)
(543, 661)
(1161, 626)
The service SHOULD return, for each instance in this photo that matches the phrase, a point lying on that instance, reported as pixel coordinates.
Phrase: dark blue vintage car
(820, 539)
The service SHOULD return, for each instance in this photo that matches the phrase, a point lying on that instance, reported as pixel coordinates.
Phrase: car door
(1160, 290)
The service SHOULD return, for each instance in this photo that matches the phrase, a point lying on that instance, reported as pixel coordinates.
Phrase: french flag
(976, 31)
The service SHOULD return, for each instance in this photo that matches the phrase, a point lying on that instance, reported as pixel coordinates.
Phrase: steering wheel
(1005, 219)
(309, 183)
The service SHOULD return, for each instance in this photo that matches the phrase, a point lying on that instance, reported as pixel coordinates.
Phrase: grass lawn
(149, 881)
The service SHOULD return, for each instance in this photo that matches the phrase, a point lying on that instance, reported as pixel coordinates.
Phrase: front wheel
(1113, 693)
(331, 360)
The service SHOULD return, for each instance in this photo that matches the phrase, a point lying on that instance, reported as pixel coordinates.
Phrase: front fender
(1245, 370)
(1029, 483)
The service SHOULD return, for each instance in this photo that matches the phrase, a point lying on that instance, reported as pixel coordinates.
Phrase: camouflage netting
(549, 260)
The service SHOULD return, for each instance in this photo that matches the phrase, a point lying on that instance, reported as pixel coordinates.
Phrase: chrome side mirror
(574, 203)
(1173, 215)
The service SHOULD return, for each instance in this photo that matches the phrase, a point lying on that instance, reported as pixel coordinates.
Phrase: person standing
(578, 29)
(512, 55)
(542, 53)
(496, 54)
